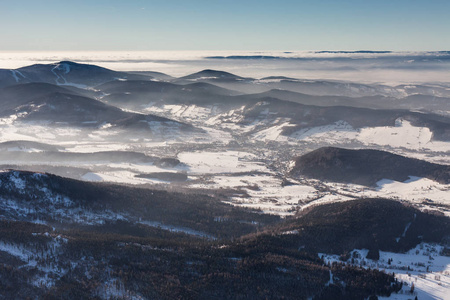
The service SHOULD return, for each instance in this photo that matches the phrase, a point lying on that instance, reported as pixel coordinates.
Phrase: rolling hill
(365, 166)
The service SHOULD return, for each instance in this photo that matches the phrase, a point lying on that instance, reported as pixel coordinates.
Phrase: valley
(171, 168)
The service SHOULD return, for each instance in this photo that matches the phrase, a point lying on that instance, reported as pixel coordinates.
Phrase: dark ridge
(10, 77)
(193, 211)
(212, 73)
(245, 57)
(165, 176)
(62, 156)
(153, 74)
(365, 167)
(28, 145)
(14, 96)
(152, 262)
(63, 171)
(425, 103)
(296, 58)
(136, 86)
(359, 51)
(279, 77)
(68, 72)
(135, 95)
(11, 97)
(210, 89)
(46, 102)
(140, 88)
(32, 90)
(340, 227)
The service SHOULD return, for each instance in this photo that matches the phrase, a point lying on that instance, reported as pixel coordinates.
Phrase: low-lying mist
(362, 66)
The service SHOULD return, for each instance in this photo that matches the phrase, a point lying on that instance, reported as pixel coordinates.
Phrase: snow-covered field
(262, 191)
(423, 266)
(402, 135)
(339, 132)
(415, 189)
(221, 162)
(421, 191)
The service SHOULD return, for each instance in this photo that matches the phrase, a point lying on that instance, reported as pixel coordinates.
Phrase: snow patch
(423, 266)
(333, 133)
(178, 229)
(220, 162)
(414, 189)
(273, 133)
(16, 75)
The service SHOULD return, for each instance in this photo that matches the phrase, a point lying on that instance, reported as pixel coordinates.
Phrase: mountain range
(211, 185)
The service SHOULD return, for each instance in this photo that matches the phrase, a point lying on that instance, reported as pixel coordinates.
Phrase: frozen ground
(262, 191)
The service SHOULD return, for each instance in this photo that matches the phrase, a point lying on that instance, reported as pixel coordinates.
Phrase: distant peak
(68, 62)
(212, 74)
(355, 52)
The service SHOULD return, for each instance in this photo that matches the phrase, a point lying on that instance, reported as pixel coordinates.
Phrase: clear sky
(288, 25)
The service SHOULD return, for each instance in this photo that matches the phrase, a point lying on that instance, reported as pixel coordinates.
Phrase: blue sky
(30, 25)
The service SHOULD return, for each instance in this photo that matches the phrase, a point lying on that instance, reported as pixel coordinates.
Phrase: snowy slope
(424, 266)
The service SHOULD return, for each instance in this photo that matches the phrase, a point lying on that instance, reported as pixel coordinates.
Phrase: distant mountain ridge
(212, 74)
(65, 73)
(52, 104)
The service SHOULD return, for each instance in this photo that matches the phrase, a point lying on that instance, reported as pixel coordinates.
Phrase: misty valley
(142, 185)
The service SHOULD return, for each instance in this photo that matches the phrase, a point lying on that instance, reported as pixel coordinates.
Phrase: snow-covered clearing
(423, 266)
(194, 113)
(327, 198)
(415, 189)
(226, 119)
(12, 128)
(178, 229)
(339, 132)
(273, 133)
(220, 162)
(121, 176)
(402, 135)
(262, 191)
(126, 172)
